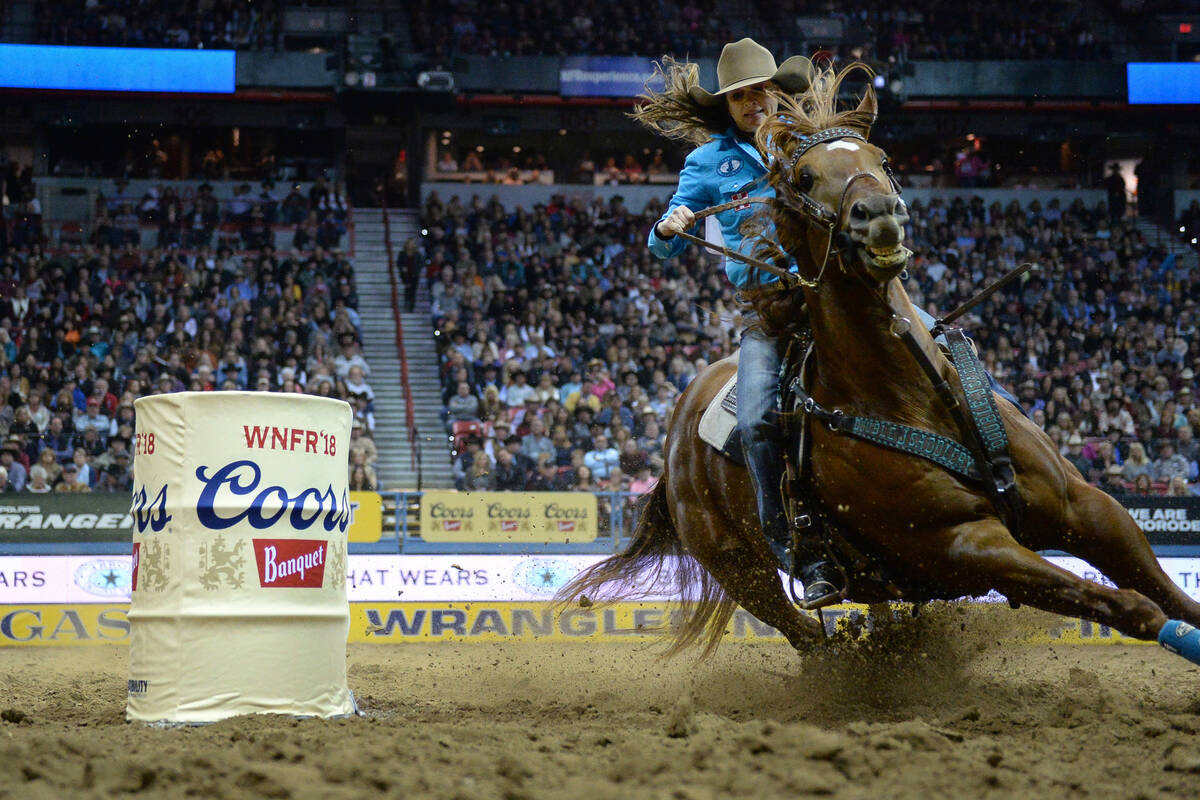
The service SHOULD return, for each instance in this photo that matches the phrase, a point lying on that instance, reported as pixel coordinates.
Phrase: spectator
(601, 459)
(463, 406)
(70, 482)
(39, 482)
(1137, 463)
(6, 486)
(1170, 464)
(479, 476)
(362, 480)
(507, 476)
(518, 392)
(92, 418)
(14, 470)
(536, 442)
(1114, 484)
(1075, 455)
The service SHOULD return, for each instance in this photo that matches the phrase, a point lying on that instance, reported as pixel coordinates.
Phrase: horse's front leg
(982, 555)
(1096, 528)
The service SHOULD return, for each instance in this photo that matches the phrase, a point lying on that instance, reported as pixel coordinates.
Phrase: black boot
(764, 459)
(823, 581)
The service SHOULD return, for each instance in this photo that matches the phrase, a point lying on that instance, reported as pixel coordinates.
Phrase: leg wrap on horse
(1181, 639)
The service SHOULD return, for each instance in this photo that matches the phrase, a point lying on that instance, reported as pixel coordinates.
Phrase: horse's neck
(858, 356)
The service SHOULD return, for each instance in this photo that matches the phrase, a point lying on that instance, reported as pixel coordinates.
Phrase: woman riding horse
(725, 167)
(923, 529)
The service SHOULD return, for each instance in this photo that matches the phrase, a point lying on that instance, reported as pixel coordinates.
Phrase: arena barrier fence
(391, 522)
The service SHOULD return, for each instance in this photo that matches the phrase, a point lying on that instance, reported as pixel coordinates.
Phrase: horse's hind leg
(750, 578)
(1100, 531)
(982, 556)
(738, 557)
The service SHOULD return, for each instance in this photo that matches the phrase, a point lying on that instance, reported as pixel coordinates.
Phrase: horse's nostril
(859, 211)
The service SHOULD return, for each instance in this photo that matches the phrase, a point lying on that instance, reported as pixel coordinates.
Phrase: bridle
(813, 210)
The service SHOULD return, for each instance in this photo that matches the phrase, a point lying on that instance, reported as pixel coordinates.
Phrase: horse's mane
(815, 110)
(778, 139)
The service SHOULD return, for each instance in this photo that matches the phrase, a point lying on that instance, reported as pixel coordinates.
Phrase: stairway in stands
(1158, 236)
(395, 466)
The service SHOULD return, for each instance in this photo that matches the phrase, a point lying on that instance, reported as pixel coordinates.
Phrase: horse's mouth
(886, 260)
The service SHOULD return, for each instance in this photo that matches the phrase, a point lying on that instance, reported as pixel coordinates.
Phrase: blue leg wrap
(1181, 639)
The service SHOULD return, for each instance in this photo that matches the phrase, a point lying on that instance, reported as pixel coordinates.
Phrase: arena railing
(405, 385)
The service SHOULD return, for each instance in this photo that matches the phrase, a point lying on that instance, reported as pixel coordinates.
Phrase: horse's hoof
(1181, 639)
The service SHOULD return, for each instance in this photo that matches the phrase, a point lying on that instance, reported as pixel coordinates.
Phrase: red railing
(409, 417)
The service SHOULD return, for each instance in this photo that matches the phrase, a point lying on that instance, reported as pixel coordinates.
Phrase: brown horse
(838, 214)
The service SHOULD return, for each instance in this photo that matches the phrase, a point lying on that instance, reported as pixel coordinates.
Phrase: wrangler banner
(508, 516)
(40, 625)
(65, 518)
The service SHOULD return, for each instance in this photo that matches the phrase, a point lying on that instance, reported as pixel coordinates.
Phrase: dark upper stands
(208, 24)
(546, 311)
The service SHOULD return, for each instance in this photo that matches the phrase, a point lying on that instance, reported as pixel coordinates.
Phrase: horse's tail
(638, 573)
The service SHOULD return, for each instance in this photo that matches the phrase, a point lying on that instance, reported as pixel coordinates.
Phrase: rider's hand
(678, 221)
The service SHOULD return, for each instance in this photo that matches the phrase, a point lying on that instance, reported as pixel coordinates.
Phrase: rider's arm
(694, 192)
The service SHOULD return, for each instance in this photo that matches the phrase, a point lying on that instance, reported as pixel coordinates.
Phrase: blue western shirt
(722, 169)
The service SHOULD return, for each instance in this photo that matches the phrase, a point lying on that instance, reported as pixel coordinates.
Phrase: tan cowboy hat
(745, 63)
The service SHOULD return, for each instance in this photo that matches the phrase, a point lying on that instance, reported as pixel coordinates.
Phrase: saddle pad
(718, 423)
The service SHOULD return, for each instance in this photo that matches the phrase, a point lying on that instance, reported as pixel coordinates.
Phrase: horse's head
(836, 196)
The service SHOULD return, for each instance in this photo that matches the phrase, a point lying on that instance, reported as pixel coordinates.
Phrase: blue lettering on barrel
(152, 514)
(240, 484)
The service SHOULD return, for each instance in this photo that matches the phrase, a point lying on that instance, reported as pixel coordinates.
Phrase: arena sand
(948, 705)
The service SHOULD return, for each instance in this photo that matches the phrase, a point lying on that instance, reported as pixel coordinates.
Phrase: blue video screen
(116, 69)
(1164, 83)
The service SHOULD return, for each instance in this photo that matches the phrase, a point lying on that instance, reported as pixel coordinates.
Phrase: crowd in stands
(566, 344)
(555, 27)
(917, 29)
(85, 331)
(941, 29)
(191, 217)
(197, 24)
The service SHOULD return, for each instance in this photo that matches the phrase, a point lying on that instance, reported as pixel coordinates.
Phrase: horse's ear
(864, 116)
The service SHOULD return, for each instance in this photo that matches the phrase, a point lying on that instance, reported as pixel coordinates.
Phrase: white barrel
(240, 508)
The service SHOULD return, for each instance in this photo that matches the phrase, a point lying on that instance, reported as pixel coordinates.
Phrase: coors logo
(290, 563)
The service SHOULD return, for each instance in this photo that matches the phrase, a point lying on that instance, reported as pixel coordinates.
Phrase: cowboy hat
(745, 63)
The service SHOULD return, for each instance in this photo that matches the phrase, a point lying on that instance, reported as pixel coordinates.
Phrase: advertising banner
(92, 517)
(604, 76)
(81, 580)
(366, 517)
(402, 623)
(536, 517)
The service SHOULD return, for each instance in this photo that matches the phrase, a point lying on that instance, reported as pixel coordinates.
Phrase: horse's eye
(804, 181)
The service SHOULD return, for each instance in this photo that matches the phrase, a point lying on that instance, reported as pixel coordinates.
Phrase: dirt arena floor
(945, 706)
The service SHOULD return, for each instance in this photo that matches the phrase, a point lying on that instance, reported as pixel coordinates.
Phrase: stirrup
(820, 590)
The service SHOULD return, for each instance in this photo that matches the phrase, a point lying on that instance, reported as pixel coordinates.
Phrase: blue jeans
(758, 386)
(757, 422)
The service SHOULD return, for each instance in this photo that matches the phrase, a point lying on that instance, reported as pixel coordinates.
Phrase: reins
(782, 274)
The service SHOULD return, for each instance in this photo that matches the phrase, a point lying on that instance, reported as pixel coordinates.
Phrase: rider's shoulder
(710, 150)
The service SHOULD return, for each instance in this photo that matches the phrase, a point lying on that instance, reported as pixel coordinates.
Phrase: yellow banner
(64, 625)
(366, 517)
(508, 516)
(396, 623)
(481, 622)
